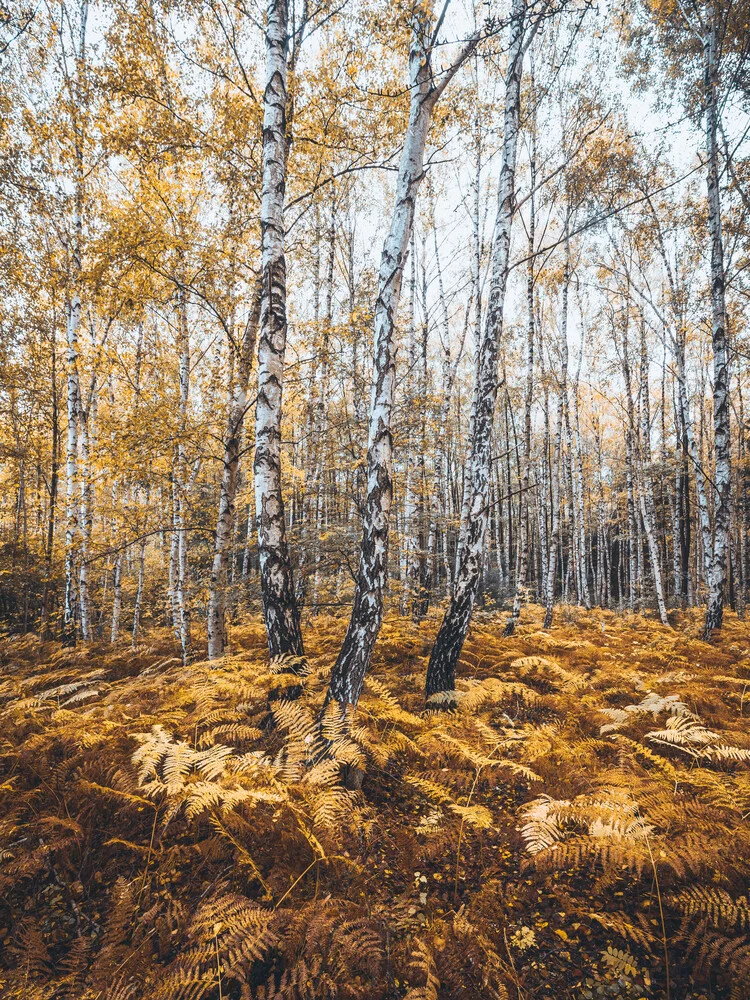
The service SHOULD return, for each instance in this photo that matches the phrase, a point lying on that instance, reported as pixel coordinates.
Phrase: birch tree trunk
(225, 525)
(441, 670)
(117, 597)
(182, 486)
(722, 440)
(86, 425)
(477, 288)
(557, 459)
(411, 542)
(139, 592)
(53, 489)
(321, 423)
(73, 319)
(349, 670)
(523, 517)
(648, 510)
(440, 472)
(630, 465)
(276, 578)
(578, 484)
(72, 527)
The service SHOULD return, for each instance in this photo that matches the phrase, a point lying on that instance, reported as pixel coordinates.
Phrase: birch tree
(276, 578)
(444, 657)
(425, 88)
(228, 490)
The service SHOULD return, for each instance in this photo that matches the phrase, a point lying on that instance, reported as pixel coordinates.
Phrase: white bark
(353, 660)
(73, 319)
(554, 540)
(717, 578)
(648, 510)
(523, 526)
(139, 591)
(277, 584)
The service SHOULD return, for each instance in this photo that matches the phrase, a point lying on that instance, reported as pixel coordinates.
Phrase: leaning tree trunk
(349, 670)
(441, 670)
(228, 490)
(276, 578)
(722, 441)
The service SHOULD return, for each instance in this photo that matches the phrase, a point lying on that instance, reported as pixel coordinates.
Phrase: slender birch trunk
(276, 578)
(630, 429)
(181, 489)
(411, 542)
(523, 515)
(225, 526)
(648, 510)
(321, 423)
(86, 424)
(441, 670)
(557, 457)
(117, 597)
(139, 592)
(550, 575)
(580, 508)
(477, 290)
(53, 490)
(73, 320)
(423, 565)
(367, 613)
(717, 578)
(174, 555)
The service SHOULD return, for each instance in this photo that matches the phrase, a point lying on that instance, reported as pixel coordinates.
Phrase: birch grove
(343, 313)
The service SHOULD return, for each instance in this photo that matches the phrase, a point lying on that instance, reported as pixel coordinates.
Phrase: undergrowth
(573, 824)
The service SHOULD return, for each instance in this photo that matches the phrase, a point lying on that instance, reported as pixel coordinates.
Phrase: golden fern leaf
(715, 904)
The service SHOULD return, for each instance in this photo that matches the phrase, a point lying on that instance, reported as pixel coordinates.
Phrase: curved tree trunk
(367, 613)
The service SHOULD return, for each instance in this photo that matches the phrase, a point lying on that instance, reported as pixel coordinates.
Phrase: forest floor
(576, 821)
